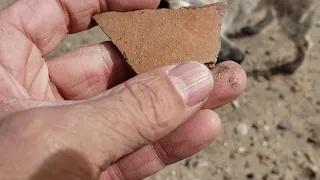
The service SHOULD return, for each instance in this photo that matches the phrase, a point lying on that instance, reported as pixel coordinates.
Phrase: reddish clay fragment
(149, 39)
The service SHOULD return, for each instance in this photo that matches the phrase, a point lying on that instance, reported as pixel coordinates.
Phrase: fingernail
(193, 81)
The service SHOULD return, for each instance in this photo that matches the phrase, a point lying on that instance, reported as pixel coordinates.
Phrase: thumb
(125, 118)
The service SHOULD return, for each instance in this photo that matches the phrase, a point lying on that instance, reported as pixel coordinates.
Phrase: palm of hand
(27, 80)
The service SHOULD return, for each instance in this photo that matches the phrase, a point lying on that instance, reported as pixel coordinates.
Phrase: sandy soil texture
(281, 115)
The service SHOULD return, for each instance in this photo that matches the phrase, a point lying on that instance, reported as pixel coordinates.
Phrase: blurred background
(272, 132)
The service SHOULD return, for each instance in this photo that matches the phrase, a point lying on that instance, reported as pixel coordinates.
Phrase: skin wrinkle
(50, 91)
(161, 154)
(17, 11)
(26, 65)
(62, 6)
(56, 90)
(107, 5)
(65, 127)
(34, 77)
(117, 172)
(26, 96)
(158, 159)
(30, 51)
(85, 76)
(24, 30)
(66, 14)
(72, 85)
(5, 66)
(154, 160)
(111, 121)
(146, 116)
(69, 129)
(132, 167)
(78, 21)
(121, 132)
(56, 39)
(133, 113)
(5, 105)
(26, 33)
(103, 5)
(57, 95)
(44, 79)
(60, 87)
(154, 99)
(41, 40)
(105, 61)
(72, 15)
(77, 84)
(76, 96)
(46, 90)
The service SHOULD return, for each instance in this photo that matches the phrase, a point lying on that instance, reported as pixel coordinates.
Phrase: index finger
(46, 22)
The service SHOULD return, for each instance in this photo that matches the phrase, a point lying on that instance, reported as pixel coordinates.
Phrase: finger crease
(27, 62)
(56, 91)
(105, 60)
(65, 11)
(53, 39)
(86, 78)
(82, 92)
(24, 31)
(145, 117)
(76, 84)
(161, 153)
(117, 172)
(82, 12)
(34, 77)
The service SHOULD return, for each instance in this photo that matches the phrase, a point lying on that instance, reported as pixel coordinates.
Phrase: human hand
(84, 115)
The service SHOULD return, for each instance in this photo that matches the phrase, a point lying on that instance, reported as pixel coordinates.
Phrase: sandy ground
(282, 114)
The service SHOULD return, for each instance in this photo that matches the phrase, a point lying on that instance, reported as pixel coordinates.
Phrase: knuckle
(153, 101)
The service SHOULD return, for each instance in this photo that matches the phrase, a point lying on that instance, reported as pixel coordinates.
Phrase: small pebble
(235, 104)
(233, 155)
(275, 170)
(191, 163)
(247, 164)
(225, 144)
(281, 96)
(284, 125)
(297, 154)
(268, 53)
(250, 176)
(266, 128)
(227, 176)
(265, 177)
(173, 173)
(264, 143)
(311, 140)
(314, 168)
(272, 38)
(266, 138)
(242, 129)
(310, 173)
(242, 150)
(203, 164)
